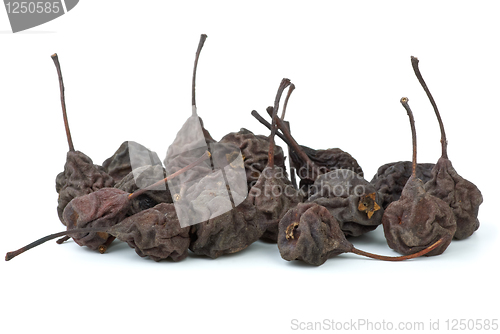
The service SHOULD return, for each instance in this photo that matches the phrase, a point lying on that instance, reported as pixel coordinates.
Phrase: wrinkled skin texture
(228, 233)
(344, 193)
(417, 220)
(311, 234)
(392, 177)
(101, 209)
(274, 195)
(255, 149)
(154, 232)
(80, 177)
(461, 195)
(224, 231)
(119, 165)
(236, 229)
(327, 160)
(145, 175)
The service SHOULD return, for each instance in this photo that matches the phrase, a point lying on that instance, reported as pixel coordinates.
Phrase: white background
(127, 69)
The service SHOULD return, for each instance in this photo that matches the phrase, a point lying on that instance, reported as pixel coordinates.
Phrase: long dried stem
(203, 37)
(10, 255)
(404, 102)
(55, 58)
(284, 84)
(444, 142)
(398, 258)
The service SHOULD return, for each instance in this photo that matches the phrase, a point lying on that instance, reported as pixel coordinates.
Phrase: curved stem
(444, 142)
(139, 192)
(404, 102)
(10, 255)
(398, 258)
(290, 90)
(284, 84)
(63, 101)
(203, 37)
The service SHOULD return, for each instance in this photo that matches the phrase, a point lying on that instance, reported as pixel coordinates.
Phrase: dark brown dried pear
(100, 209)
(417, 219)
(255, 150)
(463, 196)
(154, 232)
(120, 164)
(352, 200)
(391, 178)
(80, 175)
(311, 234)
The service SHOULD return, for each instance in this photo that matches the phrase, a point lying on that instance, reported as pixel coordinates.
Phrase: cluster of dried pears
(422, 207)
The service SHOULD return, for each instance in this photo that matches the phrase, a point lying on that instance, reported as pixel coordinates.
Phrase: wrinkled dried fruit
(130, 155)
(255, 150)
(417, 219)
(461, 195)
(80, 175)
(311, 234)
(351, 199)
(100, 209)
(154, 232)
(392, 177)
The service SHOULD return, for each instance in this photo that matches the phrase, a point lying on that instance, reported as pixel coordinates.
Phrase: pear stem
(444, 142)
(203, 37)
(63, 101)
(284, 84)
(398, 258)
(404, 102)
(10, 255)
(290, 90)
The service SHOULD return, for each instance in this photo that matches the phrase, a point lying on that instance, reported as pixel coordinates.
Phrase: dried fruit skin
(119, 165)
(461, 195)
(224, 229)
(255, 149)
(391, 178)
(417, 220)
(145, 175)
(100, 209)
(311, 234)
(327, 160)
(80, 177)
(155, 232)
(273, 195)
(228, 233)
(352, 200)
